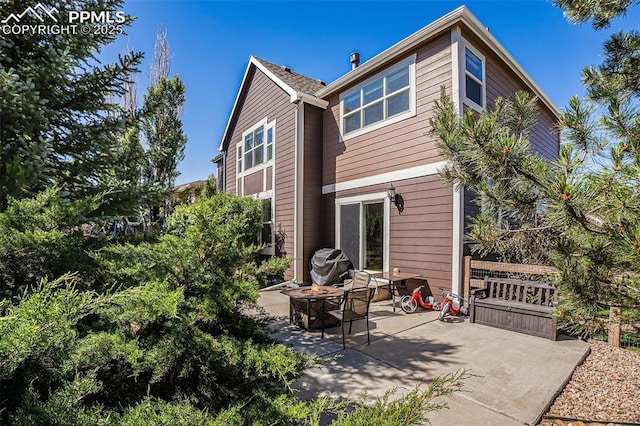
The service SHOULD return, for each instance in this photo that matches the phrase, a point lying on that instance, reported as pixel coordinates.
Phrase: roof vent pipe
(355, 60)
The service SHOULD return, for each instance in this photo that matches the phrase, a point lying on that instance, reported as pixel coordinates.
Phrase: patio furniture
(355, 306)
(522, 306)
(396, 281)
(361, 279)
(308, 306)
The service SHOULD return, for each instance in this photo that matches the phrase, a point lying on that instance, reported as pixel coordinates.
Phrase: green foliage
(57, 128)
(41, 328)
(210, 187)
(162, 338)
(165, 140)
(563, 212)
(579, 212)
(162, 128)
(44, 237)
(169, 321)
(601, 12)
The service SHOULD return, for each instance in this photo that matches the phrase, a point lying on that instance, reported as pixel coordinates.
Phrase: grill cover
(328, 266)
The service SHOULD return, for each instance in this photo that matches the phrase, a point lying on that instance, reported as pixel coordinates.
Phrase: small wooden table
(395, 280)
(309, 295)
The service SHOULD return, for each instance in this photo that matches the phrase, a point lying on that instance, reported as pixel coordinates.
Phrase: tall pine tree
(57, 126)
(581, 212)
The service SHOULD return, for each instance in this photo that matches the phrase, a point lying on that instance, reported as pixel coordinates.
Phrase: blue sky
(211, 42)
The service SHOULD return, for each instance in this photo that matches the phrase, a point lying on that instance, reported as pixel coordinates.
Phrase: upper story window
(256, 147)
(385, 98)
(474, 78)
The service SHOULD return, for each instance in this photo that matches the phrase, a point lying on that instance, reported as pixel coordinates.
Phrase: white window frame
(464, 46)
(240, 171)
(411, 63)
(362, 200)
(269, 249)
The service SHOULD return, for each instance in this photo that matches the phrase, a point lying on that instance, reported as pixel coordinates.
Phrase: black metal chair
(355, 306)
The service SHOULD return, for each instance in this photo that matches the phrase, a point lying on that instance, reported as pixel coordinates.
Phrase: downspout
(223, 186)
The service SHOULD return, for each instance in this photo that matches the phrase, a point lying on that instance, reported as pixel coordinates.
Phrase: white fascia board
(388, 177)
(311, 100)
(294, 96)
(292, 93)
(235, 104)
(461, 14)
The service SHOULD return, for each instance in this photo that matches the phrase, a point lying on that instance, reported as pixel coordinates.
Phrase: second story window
(385, 98)
(474, 76)
(256, 147)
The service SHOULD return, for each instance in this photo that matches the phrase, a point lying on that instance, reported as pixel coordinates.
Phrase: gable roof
(298, 82)
(297, 86)
(459, 15)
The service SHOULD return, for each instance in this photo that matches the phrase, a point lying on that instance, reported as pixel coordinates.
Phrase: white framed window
(256, 148)
(362, 230)
(383, 99)
(473, 87)
(267, 235)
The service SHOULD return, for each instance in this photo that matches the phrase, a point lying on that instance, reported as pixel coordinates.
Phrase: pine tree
(57, 126)
(581, 212)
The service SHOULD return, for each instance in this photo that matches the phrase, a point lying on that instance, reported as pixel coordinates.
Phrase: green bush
(44, 237)
(159, 335)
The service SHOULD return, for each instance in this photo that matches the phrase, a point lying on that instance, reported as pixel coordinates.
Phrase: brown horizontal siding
(327, 221)
(545, 138)
(503, 82)
(263, 98)
(269, 182)
(421, 237)
(398, 146)
(254, 183)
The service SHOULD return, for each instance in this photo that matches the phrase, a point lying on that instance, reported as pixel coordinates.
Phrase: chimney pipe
(355, 60)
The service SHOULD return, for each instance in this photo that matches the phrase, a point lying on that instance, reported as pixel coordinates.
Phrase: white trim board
(388, 177)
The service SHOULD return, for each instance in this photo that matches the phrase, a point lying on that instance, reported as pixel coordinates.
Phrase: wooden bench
(522, 306)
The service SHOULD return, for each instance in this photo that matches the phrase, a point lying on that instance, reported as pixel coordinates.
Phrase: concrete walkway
(515, 377)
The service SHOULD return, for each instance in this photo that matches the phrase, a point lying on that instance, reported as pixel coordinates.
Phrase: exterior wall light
(395, 198)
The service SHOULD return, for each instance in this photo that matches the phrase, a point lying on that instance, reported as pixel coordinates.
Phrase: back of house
(324, 157)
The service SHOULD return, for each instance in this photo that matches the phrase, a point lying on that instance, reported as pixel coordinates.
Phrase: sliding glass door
(362, 233)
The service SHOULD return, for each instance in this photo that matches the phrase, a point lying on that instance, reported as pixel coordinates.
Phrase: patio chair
(355, 306)
(361, 279)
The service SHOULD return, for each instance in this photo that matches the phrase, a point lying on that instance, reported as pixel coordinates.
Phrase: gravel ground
(605, 388)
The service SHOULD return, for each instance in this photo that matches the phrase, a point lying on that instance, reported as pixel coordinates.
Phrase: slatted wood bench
(516, 305)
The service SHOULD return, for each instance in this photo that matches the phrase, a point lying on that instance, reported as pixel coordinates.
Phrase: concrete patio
(515, 377)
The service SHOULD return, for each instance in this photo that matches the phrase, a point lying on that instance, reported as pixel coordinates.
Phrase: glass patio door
(361, 234)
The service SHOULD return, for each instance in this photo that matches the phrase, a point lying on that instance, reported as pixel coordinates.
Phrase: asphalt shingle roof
(296, 81)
